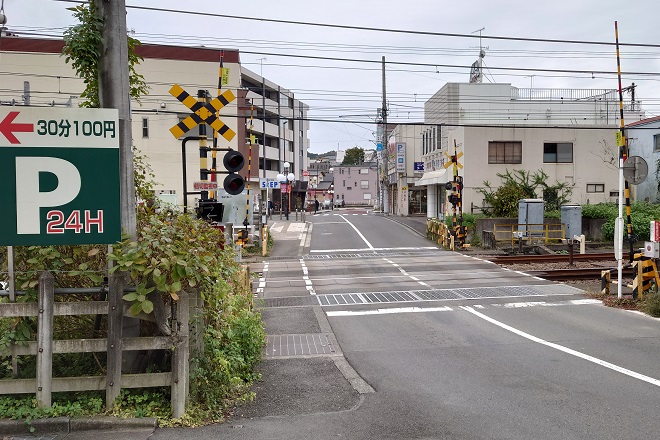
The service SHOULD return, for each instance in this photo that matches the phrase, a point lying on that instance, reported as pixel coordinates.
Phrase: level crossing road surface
(375, 333)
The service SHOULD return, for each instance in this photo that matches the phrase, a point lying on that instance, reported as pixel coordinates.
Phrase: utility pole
(114, 92)
(383, 112)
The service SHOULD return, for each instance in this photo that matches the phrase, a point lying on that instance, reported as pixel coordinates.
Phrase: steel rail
(550, 258)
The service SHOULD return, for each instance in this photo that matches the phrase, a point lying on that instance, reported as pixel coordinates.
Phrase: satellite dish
(635, 170)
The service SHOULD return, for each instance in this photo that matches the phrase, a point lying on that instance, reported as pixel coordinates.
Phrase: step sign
(59, 176)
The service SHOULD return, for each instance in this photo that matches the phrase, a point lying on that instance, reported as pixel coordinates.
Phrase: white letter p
(28, 197)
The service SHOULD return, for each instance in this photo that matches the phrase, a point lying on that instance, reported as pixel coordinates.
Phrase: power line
(375, 29)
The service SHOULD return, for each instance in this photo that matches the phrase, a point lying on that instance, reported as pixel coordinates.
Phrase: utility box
(651, 249)
(571, 217)
(530, 212)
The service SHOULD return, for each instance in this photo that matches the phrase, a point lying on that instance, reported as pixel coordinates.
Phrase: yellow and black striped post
(249, 163)
(623, 145)
(214, 154)
(203, 170)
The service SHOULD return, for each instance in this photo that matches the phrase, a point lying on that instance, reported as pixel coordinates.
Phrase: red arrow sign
(7, 128)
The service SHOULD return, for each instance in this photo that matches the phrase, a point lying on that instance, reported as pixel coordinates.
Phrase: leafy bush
(650, 304)
(521, 184)
(641, 214)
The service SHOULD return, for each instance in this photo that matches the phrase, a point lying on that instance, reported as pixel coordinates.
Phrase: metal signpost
(59, 174)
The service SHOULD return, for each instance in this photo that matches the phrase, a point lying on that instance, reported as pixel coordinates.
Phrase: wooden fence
(114, 345)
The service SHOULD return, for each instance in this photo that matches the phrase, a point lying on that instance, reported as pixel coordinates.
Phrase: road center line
(567, 350)
(406, 274)
(359, 233)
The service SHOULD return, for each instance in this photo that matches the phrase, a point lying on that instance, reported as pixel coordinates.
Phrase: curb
(66, 425)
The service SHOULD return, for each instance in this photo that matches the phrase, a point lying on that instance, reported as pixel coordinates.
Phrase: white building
(405, 167)
(570, 134)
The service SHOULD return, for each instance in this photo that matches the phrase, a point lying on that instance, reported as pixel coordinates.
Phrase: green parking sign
(59, 174)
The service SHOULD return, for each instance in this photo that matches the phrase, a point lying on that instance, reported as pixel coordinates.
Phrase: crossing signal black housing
(210, 210)
(233, 162)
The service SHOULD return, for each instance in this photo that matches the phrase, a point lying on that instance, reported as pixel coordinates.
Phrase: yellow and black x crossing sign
(202, 113)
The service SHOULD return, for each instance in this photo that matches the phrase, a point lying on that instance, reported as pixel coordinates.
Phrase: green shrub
(651, 304)
(641, 214)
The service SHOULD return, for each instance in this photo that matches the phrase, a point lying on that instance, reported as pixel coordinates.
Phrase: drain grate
(298, 345)
(292, 301)
(444, 294)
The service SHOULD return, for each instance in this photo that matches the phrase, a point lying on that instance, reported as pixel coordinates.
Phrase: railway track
(562, 274)
(550, 258)
(590, 273)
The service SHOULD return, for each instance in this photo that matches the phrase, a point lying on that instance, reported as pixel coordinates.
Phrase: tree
(521, 184)
(82, 48)
(354, 156)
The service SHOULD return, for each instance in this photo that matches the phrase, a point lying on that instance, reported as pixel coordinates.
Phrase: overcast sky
(347, 93)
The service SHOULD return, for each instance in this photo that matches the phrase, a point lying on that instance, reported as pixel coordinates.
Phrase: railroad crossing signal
(202, 113)
(453, 160)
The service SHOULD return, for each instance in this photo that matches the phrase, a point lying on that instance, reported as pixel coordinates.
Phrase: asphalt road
(376, 334)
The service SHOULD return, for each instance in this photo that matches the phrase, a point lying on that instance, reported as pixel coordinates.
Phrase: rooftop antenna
(476, 71)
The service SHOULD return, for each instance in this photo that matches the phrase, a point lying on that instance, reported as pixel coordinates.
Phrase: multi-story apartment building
(34, 73)
(356, 185)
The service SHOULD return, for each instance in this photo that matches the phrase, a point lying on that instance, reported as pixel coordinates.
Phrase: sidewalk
(416, 223)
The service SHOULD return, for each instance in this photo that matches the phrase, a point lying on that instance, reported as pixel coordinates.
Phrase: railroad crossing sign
(59, 174)
(202, 113)
(453, 160)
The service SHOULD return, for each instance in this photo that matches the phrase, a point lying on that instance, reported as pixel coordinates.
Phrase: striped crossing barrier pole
(623, 144)
(203, 159)
(214, 153)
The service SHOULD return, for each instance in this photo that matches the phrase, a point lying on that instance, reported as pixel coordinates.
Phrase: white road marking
(566, 350)
(388, 311)
(308, 282)
(574, 302)
(359, 233)
(262, 280)
(327, 251)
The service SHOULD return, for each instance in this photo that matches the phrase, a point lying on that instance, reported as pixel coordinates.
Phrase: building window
(364, 184)
(505, 152)
(366, 196)
(656, 142)
(595, 187)
(364, 171)
(145, 127)
(349, 188)
(344, 183)
(558, 152)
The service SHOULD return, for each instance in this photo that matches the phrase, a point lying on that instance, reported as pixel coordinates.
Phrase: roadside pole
(114, 92)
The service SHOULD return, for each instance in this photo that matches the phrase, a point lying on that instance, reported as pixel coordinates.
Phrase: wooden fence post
(180, 381)
(114, 348)
(196, 337)
(45, 339)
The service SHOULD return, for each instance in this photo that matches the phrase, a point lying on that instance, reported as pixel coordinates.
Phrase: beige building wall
(52, 82)
(592, 149)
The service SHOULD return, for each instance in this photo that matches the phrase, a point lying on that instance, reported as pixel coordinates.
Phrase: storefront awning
(432, 178)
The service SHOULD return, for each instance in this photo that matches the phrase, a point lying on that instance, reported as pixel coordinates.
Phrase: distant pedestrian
(316, 206)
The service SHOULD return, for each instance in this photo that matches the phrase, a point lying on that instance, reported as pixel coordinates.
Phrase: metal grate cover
(292, 301)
